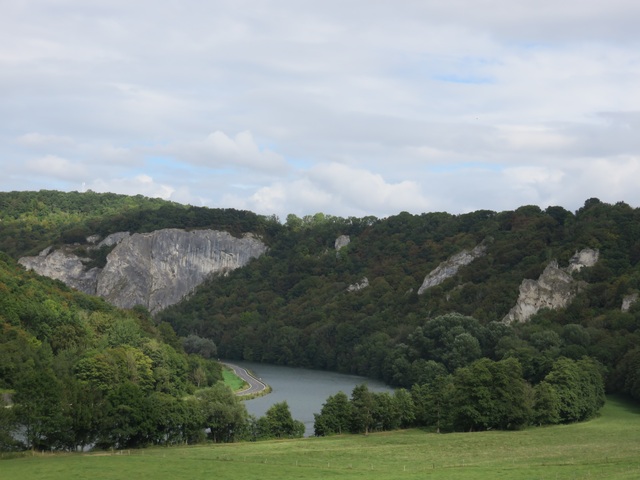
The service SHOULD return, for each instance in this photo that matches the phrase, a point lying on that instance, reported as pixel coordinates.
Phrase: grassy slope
(232, 380)
(606, 447)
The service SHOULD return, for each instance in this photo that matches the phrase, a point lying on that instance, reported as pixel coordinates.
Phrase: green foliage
(224, 415)
(606, 447)
(490, 395)
(334, 417)
(82, 372)
(278, 423)
(365, 412)
(579, 387)
(201, 346)
(294, 306)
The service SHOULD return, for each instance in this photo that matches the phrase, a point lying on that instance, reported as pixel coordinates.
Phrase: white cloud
(142, 184)
(218, 150)
(56, 168)
(352, 108)
(35, 139)
(336, 189)
(533, 138)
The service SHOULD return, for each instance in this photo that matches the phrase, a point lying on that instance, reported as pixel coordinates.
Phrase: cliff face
(152, 269)
(450, 267)
(555, 288)
(65, 266)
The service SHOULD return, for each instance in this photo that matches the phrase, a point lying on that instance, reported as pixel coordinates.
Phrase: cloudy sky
(350, 107)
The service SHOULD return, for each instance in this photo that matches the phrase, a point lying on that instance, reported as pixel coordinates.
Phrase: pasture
(605, 447)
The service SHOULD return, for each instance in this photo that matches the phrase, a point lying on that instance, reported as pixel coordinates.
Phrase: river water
(304, 390)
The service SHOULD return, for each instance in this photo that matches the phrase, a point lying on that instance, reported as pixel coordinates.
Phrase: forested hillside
(357, 309)
(293, 306)
(75, 371)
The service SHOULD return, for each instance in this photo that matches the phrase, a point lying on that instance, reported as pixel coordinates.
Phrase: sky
(350, 107)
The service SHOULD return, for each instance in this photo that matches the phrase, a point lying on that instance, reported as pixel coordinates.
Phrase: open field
(606, 447)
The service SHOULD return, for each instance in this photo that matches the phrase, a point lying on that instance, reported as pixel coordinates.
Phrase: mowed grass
(606, 447)
(232, 380)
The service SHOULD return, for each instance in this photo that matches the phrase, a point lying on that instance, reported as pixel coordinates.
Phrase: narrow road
(255, 384)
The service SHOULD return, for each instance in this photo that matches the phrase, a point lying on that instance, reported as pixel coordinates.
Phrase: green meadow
(605, 447)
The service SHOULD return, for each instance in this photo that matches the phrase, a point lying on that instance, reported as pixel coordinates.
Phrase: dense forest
(293, 306)
(458, 365)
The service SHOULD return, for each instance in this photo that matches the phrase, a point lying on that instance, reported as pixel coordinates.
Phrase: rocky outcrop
(364, 283)
(450, 267)
(342, 241)
(114, 239)
(628, 301)
(151, 269)
(555, 288)
(63, 265)
(584, 258)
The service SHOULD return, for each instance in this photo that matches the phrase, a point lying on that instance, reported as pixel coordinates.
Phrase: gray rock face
(555, 288)
(65, 266)
(628, 301)
(450, 267)
(364, 283)
(342, 241)
(113, 239)
(152, 269)
(584, 258)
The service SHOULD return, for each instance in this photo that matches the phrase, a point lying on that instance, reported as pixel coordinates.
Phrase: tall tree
(334, 417)
(363, 406)
(224, 414)
(278, 423)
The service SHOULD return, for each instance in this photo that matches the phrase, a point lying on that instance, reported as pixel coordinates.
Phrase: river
(304, 390)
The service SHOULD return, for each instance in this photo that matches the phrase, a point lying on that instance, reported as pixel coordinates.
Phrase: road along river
(304, 390)
(255, 384)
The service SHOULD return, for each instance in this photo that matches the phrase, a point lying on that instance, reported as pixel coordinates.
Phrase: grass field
(606, 447)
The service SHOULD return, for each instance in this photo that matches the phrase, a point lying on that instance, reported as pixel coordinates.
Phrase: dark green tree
(363, 407)
(334, 417)
(579, 387)
(278, 423)
(224, 414)
(546, 405)
(490, 394)
(128, 420)
(432, 402)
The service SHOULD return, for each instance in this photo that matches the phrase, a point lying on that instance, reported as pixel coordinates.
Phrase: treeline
(482, 396)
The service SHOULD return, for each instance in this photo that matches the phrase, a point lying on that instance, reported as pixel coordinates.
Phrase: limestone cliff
(151, 269)
(65, 266)
(555, 288)
(450, 267)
